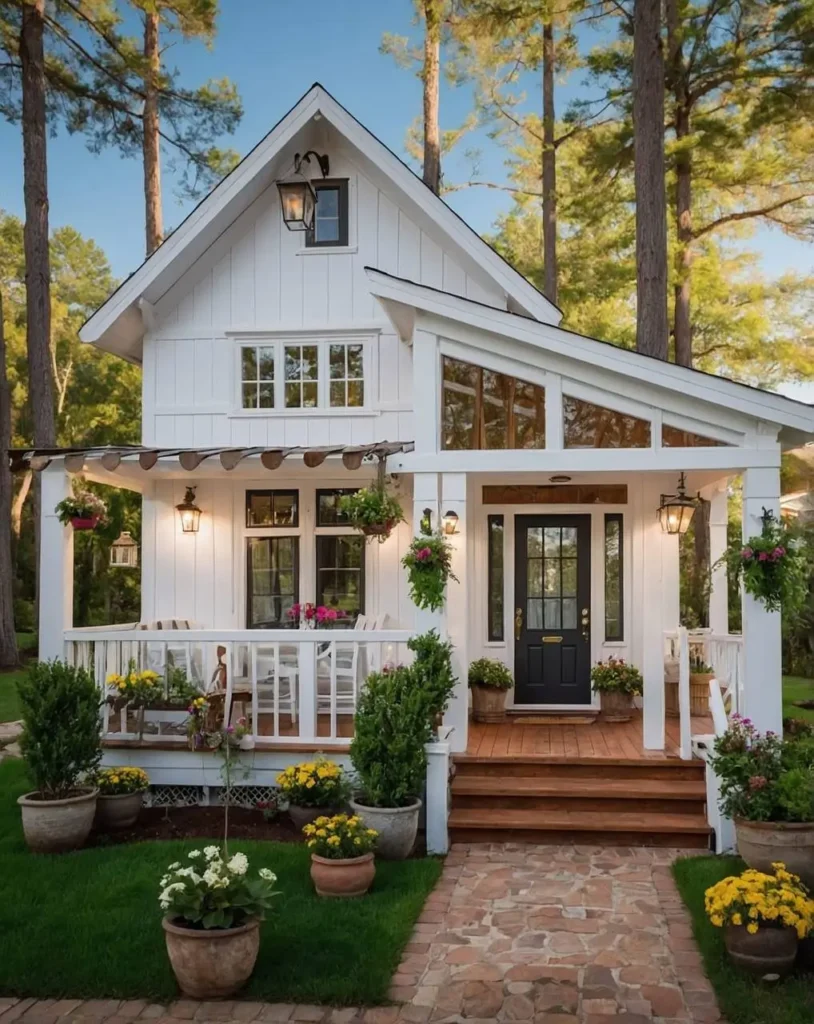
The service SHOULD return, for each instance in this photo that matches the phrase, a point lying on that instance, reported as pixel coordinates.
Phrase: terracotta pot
(761, 843)
(616, 707)
(397, 827)
(302, 816)
(118, 810)
(351, 877)
(769, 951)
(212, 963)
(85, 522)
(488, 703)
(699, 696)
(56, 826)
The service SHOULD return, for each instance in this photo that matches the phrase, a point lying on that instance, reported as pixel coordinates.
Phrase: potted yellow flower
(121, 793)
(341, 855)
(763, 917)
(313, 789)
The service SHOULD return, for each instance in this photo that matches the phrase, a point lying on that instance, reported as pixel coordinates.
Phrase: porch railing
(291, 686)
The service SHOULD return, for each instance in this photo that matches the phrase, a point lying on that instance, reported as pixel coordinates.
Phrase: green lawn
(87, 924)
(9, 702)
(742, 1000)
(796, 688)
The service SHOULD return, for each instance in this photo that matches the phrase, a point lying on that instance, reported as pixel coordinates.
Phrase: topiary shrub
(391, 727)
(61, 740)
(432, 670)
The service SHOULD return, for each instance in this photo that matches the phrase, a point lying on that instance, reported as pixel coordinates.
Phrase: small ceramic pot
(56, 826)
(769, 951)
(397, 827)
(119, 810)
(350, 877)
(212, 963)
(302, 816)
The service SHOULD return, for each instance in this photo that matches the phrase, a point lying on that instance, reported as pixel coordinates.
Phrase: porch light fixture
(676, 510)
(189, 512)
(124, 551)
(297, 196)
(450, 520)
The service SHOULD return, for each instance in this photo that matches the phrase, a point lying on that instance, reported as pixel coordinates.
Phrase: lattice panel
(243, 796)
(173, 796)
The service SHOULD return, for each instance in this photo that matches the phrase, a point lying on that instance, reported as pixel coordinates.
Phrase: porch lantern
(450, 520)
(676, 510)
(189, 512)
(124, 551)
(297, 196)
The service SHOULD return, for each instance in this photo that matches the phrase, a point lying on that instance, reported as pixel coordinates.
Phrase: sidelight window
(614, 612)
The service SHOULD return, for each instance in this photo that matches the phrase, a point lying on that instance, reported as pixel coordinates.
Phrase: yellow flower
(752, 928)
(737, 919)
(334, 840)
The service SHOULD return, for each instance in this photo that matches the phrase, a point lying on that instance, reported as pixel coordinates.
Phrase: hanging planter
(773, 566)
(372, 511)
(83, 511)
(429, 568)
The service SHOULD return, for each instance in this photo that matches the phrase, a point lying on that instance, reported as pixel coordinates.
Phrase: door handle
(586, 625)
(518, 622)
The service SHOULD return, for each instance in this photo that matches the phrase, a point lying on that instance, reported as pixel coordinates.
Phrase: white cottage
(284, 367)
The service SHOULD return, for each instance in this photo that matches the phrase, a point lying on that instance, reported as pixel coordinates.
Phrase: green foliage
(774, 567)
(432, 670)
(372, 507)
(795, 794)
(81, 505)
(489, 672)
(616, 676)
(61, 741)
(429, 568)
(391, 728)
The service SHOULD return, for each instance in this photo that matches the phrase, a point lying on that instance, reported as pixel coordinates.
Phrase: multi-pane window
(592, 426)
(328, 510)
(301, 376)
(485, 409)
(272, 508)
(614, 621)
(672, 437)
(551, 553)
(346, 375)
(331, 215)
(495, 578)
(257, 376)
(341, 575)
(273, 581)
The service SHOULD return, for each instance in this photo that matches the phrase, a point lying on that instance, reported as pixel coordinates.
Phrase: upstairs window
(314, 374)
(331, 215)
(593, 426)
(347, 376)
(301, 376)
(257, 376)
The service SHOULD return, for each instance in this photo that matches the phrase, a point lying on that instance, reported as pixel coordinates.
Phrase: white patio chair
(287, 688)
(347, 677)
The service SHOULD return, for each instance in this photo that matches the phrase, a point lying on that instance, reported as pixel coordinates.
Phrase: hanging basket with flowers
(429, 568)
(84, 511)
(773, 566)
(372, 511)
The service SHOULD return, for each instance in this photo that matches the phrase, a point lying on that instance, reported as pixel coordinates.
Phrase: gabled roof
(400, 297)
(119, 324)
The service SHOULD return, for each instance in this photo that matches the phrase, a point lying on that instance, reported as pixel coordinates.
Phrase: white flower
(175, 866)
(194, 853)
(267, 875)
(211, 853)
(239, 864)
(211, 877)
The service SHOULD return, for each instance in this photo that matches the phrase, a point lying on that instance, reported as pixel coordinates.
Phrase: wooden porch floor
(598, 739)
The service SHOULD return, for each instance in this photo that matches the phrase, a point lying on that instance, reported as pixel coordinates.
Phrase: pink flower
(747, 552)
(423, 554)
(779, 552)
(294, 611)
(322, 613)
(758, 782)
(331, 614)
(310, 611)
(762, 557)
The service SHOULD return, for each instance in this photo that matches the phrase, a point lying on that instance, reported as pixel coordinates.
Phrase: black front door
(552, 636)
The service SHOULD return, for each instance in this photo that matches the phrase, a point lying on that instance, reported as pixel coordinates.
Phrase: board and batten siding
(258, 277)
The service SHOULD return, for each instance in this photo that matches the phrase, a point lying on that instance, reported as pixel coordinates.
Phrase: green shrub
(432, 670)
(795, 794)
(488, 672)
(616, 676)
(391, 727)
(61, 740)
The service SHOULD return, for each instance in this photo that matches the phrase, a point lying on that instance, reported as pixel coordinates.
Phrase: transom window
(286, 374)
(257, 376)
(331, 214)
(347, 375)
(328, 511)
(485, 409)
(673, 437)
(272, 508)
(593, 426)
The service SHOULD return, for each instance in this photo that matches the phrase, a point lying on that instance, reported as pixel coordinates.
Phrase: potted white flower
(61, 745)
(121, 794)
(213, 911)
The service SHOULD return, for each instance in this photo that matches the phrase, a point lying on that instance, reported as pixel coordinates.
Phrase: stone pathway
(9, 734)
(511, 933)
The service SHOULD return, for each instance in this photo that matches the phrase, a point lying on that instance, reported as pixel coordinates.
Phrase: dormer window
(331, 214)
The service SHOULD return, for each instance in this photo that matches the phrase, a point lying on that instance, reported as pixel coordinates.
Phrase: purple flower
(423, 554)
(762, 556)
(747, 552)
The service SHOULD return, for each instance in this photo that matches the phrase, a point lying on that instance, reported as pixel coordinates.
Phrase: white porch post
(56, 565)
(660, 572)
(762, 654)
(719, 597)
(456, 609)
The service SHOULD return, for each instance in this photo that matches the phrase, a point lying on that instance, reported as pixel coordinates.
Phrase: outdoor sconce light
(297, 196)
(124, 551)
(189, 512)
(425, 523)
(450, 520)
(676, 510)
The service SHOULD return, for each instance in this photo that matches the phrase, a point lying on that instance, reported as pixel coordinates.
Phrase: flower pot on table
(56, 826)
(762, 843)
(212, 963)
(347, 877)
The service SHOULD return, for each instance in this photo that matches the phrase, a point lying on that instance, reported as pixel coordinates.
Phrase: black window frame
(318, 593)
(619, 519)
(341, 185)
(291, 624)
(495, 635)
(288, 491)
(332, 491)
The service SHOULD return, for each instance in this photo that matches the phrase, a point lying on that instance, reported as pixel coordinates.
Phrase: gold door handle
(586, 625)
(518, 622)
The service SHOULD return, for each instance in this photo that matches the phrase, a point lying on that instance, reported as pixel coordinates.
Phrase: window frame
(329, 533)
(619, 519)
(342, 187)
(249, 539)
(323, 492)
(272, 492)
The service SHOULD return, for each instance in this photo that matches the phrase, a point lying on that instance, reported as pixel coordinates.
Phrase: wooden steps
(579, 800)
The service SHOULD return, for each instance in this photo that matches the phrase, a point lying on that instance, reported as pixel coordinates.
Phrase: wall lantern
(425, 523)
(297, 196)
(676, 510)
(450, 520)
(124, 551)
(189, 512)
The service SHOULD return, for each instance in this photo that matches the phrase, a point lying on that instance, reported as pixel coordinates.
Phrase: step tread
(645, 763)
(618, 789)
(577, 821)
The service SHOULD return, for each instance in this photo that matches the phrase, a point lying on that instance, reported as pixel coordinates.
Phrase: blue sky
(274, 50)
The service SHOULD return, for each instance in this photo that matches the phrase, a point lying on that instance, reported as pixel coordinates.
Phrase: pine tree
(8, 636)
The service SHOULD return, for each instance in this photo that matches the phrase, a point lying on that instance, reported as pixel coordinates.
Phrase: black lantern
(189, 512)
(676, 510)
(297, 196)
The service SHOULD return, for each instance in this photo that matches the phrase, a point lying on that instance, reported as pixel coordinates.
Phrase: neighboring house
(280, 367)
(799, 506)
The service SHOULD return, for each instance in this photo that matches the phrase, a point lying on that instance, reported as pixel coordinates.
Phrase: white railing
(291, 686)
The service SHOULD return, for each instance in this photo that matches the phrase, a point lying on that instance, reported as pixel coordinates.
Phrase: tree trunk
(151, 147)
(8, 637)
(651, 206)
(432, 73)
(549, 169)
(701, 565)
(19, 503)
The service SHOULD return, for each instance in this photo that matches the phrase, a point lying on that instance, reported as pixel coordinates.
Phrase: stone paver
(511, 933)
